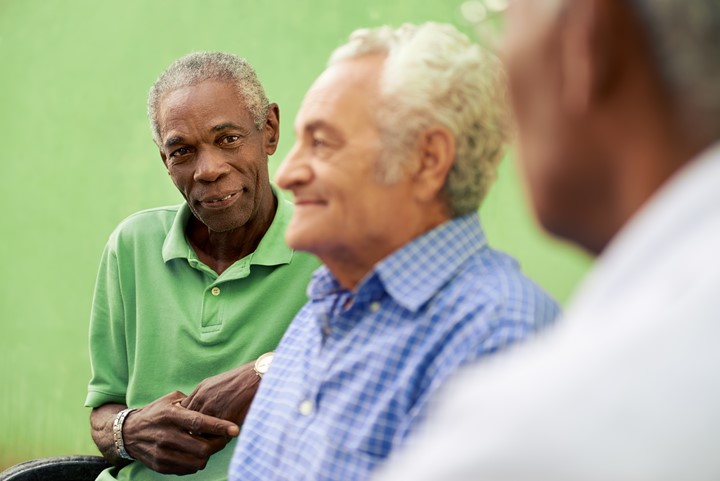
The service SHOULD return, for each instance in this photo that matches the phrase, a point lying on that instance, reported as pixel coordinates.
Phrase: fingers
(171, 439)
(187, 402)
(194, 401)
(197, 423)
(173, 396)
(226, 395)
(184, 454)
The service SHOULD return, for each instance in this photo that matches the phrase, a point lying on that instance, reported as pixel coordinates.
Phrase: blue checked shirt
(353, 374)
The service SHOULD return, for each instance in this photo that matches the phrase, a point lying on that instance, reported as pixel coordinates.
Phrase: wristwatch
(263, 363)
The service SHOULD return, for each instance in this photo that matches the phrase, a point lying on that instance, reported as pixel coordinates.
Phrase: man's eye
(319, 142)
(180, 152)
(230, 139)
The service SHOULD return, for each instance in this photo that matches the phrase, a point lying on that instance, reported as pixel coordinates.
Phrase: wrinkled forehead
(347, 93)
(206, 104)
(208, 93)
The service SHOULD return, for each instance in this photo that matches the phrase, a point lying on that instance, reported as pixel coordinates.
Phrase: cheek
(563, 176)
(319, 232)
(178, 179)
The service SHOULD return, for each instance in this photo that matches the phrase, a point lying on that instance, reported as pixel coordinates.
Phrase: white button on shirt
(215, 291)
(306, 407)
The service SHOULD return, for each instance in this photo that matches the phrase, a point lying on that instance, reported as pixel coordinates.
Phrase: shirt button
(374, 307)
(326, 330)
(215, 291)
(306, 408)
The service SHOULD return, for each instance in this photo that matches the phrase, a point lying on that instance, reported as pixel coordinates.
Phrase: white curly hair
(433, 74)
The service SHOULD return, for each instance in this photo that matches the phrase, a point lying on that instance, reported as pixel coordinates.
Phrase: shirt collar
(413, 274)
(272, 249)
(176, 245)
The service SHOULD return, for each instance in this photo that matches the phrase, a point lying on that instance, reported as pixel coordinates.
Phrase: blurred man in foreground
(188, 296)
(396, 144)
(618, 110)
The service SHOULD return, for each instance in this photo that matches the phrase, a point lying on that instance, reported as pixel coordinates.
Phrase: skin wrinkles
(212, 150)
(344, 214)
(218, 161)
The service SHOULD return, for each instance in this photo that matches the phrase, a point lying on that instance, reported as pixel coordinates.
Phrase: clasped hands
(177, 434)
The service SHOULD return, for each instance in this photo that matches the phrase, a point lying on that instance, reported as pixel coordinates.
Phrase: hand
(227, 395)
(170, 439)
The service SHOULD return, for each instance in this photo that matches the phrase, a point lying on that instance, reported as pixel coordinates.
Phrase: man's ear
(588, 54)
(437, 155)
(272, 129)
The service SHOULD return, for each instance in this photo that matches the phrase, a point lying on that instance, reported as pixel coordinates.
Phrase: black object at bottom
(61, 468)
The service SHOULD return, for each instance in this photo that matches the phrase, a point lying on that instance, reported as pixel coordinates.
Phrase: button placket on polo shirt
(214, 296)
(212, 309)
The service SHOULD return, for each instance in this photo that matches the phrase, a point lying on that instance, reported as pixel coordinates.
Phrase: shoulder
(487, 306)
(150, 225)
(492, 283)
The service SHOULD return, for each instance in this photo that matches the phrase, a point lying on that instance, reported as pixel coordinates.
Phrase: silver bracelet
(118, 435)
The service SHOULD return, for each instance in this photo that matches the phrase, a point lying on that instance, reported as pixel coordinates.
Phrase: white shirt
(626, 387)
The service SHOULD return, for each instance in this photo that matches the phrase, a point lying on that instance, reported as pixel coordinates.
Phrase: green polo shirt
(163, 321)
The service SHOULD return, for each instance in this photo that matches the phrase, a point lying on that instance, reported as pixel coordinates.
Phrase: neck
(220, 250)
(649, 152)
(351, 264)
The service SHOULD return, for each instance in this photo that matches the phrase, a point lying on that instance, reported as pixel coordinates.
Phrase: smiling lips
(308, 202)
(219, 202)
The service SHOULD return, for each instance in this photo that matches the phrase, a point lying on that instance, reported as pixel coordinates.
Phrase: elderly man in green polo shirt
(187, 297)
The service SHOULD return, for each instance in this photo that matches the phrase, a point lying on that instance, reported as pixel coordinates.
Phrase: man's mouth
(222, 198)
(308, 202)
(219, 201)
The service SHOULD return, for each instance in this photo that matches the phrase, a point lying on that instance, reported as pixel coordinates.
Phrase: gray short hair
(685, 41)
(685, 37)
(434, 75)
(198, 67)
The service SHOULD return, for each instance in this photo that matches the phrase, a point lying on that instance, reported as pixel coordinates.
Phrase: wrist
(118, 434)
(262, 364)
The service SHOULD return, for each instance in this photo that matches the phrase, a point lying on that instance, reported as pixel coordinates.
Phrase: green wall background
(76, 156)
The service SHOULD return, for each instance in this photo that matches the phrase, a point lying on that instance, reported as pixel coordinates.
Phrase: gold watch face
(263, 363)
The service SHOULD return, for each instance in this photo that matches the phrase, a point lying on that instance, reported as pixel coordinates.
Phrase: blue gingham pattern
(353, 374)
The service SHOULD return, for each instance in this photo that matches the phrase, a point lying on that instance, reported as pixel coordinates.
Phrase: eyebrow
(321, 125)
(177, 139)
(173, 141)
(226, 126)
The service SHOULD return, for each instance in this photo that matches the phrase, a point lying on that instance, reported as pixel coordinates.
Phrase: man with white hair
(396, 145)
(618, 110)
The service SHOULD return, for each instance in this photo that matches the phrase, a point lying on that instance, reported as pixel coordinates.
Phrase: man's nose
(295, 169)
(210, 166)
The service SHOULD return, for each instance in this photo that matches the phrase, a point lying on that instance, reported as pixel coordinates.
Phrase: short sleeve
(108, 351)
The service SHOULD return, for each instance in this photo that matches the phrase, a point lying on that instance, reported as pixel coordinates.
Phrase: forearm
(163, 435)
(101, 423)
